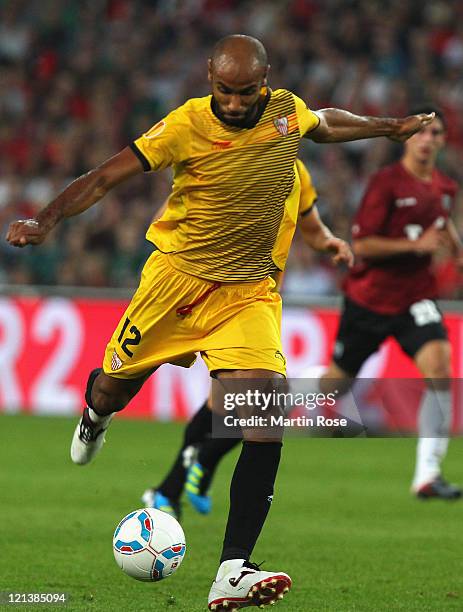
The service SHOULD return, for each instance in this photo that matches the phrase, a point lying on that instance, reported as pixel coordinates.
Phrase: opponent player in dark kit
(207, 287)
(403, 219)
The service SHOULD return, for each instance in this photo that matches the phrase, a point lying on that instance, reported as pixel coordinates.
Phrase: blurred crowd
(80, 79)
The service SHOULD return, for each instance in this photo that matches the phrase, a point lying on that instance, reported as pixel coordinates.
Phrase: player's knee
(438, 375)
(438, 370)
(435, 366)
(434, 361)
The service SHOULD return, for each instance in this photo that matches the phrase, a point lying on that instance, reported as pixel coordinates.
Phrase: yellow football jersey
(308, 194)
(235, 197)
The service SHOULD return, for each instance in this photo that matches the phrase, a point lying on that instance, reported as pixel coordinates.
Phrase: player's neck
(423, 171)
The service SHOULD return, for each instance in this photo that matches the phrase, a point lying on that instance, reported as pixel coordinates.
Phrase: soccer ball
(149, 544)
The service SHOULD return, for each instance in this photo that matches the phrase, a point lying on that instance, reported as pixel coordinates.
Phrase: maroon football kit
(398, 205)
(394, 296)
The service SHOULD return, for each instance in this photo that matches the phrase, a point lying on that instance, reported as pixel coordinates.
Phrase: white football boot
(240, 584)
(88, 438)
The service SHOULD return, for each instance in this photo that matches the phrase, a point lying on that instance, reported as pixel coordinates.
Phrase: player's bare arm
(76, 198)
(338, 125)
(320, 238)
(456, 245)
(380, 247)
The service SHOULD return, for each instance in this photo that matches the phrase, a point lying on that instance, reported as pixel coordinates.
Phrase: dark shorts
(361, 332)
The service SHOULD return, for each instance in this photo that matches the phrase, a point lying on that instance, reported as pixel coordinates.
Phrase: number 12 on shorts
(132, 338)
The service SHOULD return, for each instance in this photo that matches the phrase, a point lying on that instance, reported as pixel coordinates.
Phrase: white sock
(433, 430)
(97, 419)
(229, 566)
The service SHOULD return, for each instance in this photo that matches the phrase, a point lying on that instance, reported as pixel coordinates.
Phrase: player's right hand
(24, 232)
(429, 241)
(410, 125)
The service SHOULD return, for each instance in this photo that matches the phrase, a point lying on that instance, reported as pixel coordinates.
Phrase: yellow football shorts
(173, 316)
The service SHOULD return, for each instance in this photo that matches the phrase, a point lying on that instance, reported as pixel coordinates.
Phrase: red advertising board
(49, 345)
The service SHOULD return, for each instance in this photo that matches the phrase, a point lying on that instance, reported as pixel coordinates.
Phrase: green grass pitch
(343, 524)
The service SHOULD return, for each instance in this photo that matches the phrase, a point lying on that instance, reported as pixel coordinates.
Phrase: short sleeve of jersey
(306, 118)
(308, 193)
(374, 209)
(165, 144)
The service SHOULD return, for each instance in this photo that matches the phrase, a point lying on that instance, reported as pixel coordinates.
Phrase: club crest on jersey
(447, 201)
(282, 125)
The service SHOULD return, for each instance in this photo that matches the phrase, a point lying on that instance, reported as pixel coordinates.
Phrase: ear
(267, 70)
(209, 70)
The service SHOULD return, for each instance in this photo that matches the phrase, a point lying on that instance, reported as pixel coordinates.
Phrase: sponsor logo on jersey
(279, 355)
(222, 144)
(116, 362)
(413, 231)
(282, 125)
(403, 202)
(156, 130)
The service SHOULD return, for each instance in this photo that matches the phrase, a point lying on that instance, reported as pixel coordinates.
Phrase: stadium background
(80, 80)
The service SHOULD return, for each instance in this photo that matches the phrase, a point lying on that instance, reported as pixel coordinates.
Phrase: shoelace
(86, 433)
(253, 566)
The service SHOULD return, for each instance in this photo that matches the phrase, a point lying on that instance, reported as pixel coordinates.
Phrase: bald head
(240, 51)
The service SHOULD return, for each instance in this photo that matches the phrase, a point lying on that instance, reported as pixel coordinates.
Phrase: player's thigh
(433, 359)
(245, 329)
(360, 333)
(150, 332)
(254, 396)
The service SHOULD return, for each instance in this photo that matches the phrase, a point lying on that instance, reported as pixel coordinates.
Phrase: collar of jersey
(249, 124)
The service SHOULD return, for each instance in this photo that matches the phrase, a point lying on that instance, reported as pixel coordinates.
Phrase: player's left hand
(410, 125)
(342, 251)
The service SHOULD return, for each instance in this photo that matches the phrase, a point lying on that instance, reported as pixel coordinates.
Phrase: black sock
(198, 428)
(88, 391)
(251, 493)
(210, 453)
